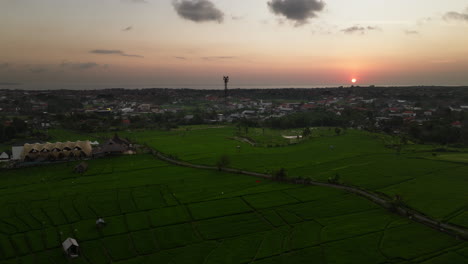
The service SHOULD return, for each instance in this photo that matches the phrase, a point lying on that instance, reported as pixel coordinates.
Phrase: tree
(306, 132)
(280, 175)
(404, 140)
(223, 161)
(338, 131)
(335, 179)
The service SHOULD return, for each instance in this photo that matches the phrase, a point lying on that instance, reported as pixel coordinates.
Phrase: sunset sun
(354, 80)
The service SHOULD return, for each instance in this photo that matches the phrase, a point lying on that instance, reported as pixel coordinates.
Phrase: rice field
(159, 213)
(433, 185)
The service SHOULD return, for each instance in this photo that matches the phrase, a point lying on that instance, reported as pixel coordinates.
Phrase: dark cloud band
(456, 16)
(114, 52)
(78, 65)
(299, 11)
(198, 10)
(359, 29)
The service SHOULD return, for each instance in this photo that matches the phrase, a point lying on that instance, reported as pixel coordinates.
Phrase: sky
(193, 43)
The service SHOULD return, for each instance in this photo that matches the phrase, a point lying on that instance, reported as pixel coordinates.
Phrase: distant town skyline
(194, 43)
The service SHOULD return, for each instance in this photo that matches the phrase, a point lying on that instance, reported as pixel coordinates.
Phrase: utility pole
(226, 81)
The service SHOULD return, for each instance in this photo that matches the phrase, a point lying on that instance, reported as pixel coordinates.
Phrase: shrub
(223, 161)
(280, 174)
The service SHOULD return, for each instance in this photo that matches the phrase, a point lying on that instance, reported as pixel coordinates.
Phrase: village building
(5, 156)
(409, 114)
(56, 151)
(115, 145)
(457, 124)
(16, 152)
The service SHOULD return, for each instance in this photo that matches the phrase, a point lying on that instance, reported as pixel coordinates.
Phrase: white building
(16, 152)
(4, 156)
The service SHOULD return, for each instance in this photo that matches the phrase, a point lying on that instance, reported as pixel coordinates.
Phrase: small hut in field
(71, 247)
(81, 168)
(100, 223)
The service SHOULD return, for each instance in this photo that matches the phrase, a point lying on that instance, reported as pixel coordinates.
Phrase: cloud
(424, 20)
(78, 65)
(114, 52)
(455, 16)
(411, 32)
(131, 55)
(128, 28)
(359, 29)
(237, 17)
(139, 1)
(299, 11)
(9, 83)
(180, 58)
(198, 10)
(212, 58)
(37, 69)
(102, 51)
(324, 29)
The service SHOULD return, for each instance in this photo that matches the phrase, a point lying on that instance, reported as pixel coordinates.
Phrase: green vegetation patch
(272, 217)
(168, 216)
(237, 250)
(36, 241)
(274, 242)
(6, 248)
(159, 213)
(218, 208)
(94, 252)
(148, 198)
(269, 199)
(114, 226)
(144, 242)
(232, 226)
(20, 244)
(354, 224)
(357, 250)
(86, 230)
(449, 257)
(137, 221)
(427, 241)
(309, 255)
(119, 247)
(104, 204)
(306, 234)
(175, 236)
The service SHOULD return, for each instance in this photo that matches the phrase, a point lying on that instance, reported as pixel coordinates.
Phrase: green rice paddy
(160, 213)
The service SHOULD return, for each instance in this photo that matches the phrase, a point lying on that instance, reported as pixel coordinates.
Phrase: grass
(359, 158)
(217, 208)
(454, 157)
(159, 213)
(63, 135)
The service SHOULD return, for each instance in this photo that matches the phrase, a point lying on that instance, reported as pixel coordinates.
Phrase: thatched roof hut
(58, 150)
